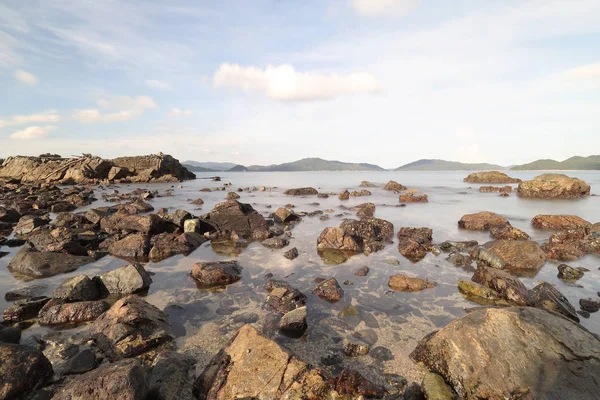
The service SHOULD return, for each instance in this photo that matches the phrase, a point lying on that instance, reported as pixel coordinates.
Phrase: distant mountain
(238, 168)
(197, 168)
(573, 163)
(210, 166)
(443, 165)
(316, 164)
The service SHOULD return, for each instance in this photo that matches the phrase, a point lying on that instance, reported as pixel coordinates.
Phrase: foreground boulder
(560, 222)
(301, 191)
(554, 186)
(490, 177)
(517, 352)
(37, 264)
(519, 255)
(233, 216)
(22, 370)
(216, 273)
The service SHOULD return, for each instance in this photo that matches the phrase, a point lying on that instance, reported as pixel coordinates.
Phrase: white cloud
(584, 72)
(176, 112)
(155, 84)
(376, 8)
(15, 120)
(127, 108)
(26, 77)
(33, 132)
(284, 83)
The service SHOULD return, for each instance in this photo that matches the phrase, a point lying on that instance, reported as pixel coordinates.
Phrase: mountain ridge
(427, 164)
(570, 164)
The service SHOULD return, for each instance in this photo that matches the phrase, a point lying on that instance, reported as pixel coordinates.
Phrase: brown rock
(518, 255)
(301, 191)
(345, 195)
(495, 189)
(394, 186)
(554, 186)
(337, 239)
(22, 370)
(359, 193)
(329, 290)
(37, 264)
(560, 222)
(508, 232)
(284, 215)
(233, 216)
(414, 243)
(508, 287)
(82, 311)
(133, 248)
(482, 221)
(216, 273)
(413, 198)
(121, 222)
(490, 177)
(403, 283)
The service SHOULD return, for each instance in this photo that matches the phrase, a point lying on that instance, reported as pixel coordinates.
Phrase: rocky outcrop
(394, 186)
(414, 243)
(307, 191)
(216, 273)
(519, 255)
(482, 221)
(554, 186)
(233, 216)
(37, 264)
(490, 177)
(560, 222)
(22, 370)
(404, 283)
(520, 352)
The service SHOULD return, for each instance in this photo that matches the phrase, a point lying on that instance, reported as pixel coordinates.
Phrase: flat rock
(22, 370)
(482, 221)
(307, 191)
(125, 280)
(560, 222)
(123, 222)
(68, 313)
(26, 292)
(554, 186)
(404, 283)
(490, 177)
(35, 264)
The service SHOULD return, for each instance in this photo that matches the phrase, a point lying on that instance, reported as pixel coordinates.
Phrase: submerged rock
(490, 177)
(345, 195)
(362, 271)
(354, 347)
(275, 243)
(307, 191)
(554, 186)
(216, 273)
(403, 283)
(413, 198)
(22, 370)
(329, 290)
(496, 189)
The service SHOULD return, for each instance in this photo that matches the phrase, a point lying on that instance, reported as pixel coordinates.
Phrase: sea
(392, 322)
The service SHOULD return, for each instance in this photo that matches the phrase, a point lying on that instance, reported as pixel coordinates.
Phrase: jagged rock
(197, 225)
(482, 221)
(133, 248)
(125, 280)
(232, 216)
(275, 243)
(520, 361)
(28, 223)
(22, 310)
(337, 239)
(549, 298)
(26, 292)
(291, 254)
(172, 377)
(589, 305)
(282, 297)
(70, 220)
(570, 251)
(301, 191)
(22, 370)
(460, 260)
(284, 215)
(216, 273)
(518, 255)
(36, 264)
(345, 195)
(508, 232)
(508, 287)
(121, 222)
(414, 243)
(560, 222)
(554, 186)
(568, 273)
(58, 240)
(490, 177)
(403, 283)
(294, 322)
(77, 288)
(131, 327)
(369, 233)
(96, 215)
(481, 294)
(394, 186)
(66, 313)
(156, 167)
(329, 290)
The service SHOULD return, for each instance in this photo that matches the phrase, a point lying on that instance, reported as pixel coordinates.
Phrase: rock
(216, 273)
(589, 305)
(366, 184)
(323, 196)
(549, 298)
(414, 243)
(345, 195)
(521, 255)
(232, 196)
(232, 216)
(284, 215)
(481, 294)
(508, 287)
(414, 392)
(133, 248)
(294, 322)
(154, 168)
(381, 353)
(28, 223)
(70, 220)
(508, 232)
(365, 210)
(411, 197)
(362, 271)
(78, 288)
(22, 370)
(117, 173)
(460, 260)
(282, 297)
(521, 361)
(172, 377)
(329, 290)
(496, 189)
(197, 225)
(82, 311)
(488, 259)
(403, 283)
(434, 388)
(58, 240)
(125, 280)
(291, 254)
(97, 214)
(22, 310)
(359, 193)
(563, 251)
(177, 218)
(337, 239)
(354, 347)
(275, 243)
(554, 186)
(490, 177)
(123, 380)
(121, 222)
(80, 363)
(9, 334)
(394, 186)
(568, 273)
(560, 222)
(26, 292)
(370, 234)
(167, 245)
(301, 191)
(482, 221)
(198, 201)
(131, 327)
(451, 247)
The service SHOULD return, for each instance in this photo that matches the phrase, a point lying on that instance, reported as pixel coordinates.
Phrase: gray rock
(36, 264)
(549, 298)
(28, 223)
(82, 362)
(294, 322)
(172, 377)
(129, 279)
(78, 288)
(9, 334)
(589, 305)
(26, 292)
(291, 253)
(216, 273)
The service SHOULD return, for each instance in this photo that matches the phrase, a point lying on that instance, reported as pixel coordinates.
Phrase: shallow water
(203, 320)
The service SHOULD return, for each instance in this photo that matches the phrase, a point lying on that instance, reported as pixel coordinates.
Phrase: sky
(263, 82)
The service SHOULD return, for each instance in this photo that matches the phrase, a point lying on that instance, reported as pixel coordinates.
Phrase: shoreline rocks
(553, 186)
(490, 177)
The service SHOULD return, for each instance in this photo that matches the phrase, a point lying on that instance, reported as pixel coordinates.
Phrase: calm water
(203, 320)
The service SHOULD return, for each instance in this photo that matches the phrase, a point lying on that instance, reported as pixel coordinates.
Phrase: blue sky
(379, 81)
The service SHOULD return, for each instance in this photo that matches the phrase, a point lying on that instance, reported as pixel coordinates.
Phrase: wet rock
(345, 195)
(350, 383)
(337, 239)
(381, 353)
(488, 259)
(97, 214)
(172, 377)
(362, 271)
(232, 196)
(232, 216)
(70, 220)
(22, 310)
(123, 380)
(323, 195)
(434, 388)
(403, 283)
(28, 223)
(370, 234)
(359, 193)
(131, 327)
(549, 298)
(490, 177)
(80, 363)
(450, 247)
(560, 222)
(508, 287)
(482, 221)
(294, 322)
(125, 280)
(82, 311)
(495, 189)
(284, 215)
(508, 232)
(554, 186)
(329, 290)
(394, 186)
(9, 215)
(26, 292)
(198, 201)
(78, 288)
(414, 243)
(216, 273)
(365, 210)
(366, 184)
(134, 248)
(22, 370)
(518, 255)
(568, 273)
(291, 254)
(481, 294)
(354, 347)
(497, 333)
(460, 260)
(9, 334)
(282, 297)
(167, 245)
(589, 305)
(412, 197)
(177, 218)
(301, 191)
(122, 222)
(59, 240)
(275, 243)
(563, 251)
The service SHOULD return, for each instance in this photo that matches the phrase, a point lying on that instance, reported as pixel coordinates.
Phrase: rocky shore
(107, 341)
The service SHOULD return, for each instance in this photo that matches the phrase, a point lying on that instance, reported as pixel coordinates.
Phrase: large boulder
(22, 370)
(233, 216)
(517, 352)
(482, 221)
(519, 255)
(554, 186)
(490, 177)
(125, 280)
(216, 273)
(560, 222)
(307, 191)
(131, 327)
(36, 264)
(123, 380)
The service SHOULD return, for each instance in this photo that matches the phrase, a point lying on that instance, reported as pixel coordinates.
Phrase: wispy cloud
(127, 108)
(33, 132)
(285, 83)
(176, 112)
(26, 77)
(156, 84)
(43, 117)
